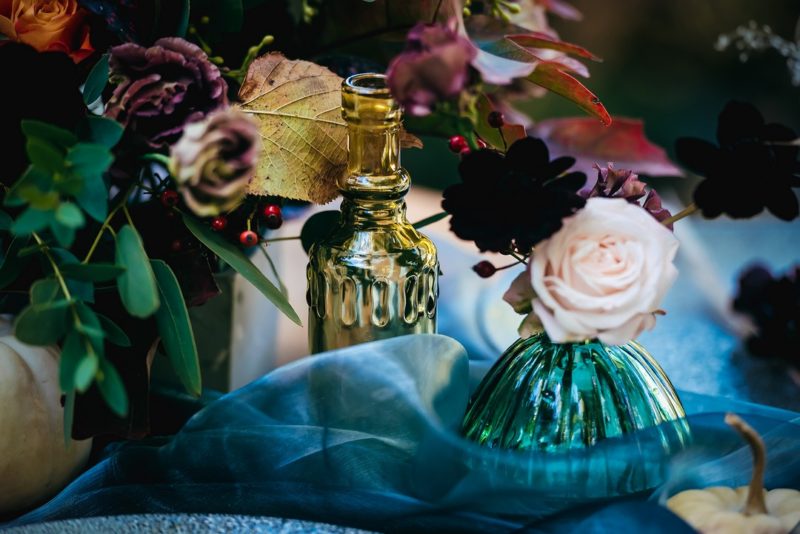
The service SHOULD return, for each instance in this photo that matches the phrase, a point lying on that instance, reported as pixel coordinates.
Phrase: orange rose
(47, 25)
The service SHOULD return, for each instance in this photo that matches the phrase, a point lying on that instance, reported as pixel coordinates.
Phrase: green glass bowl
(544, 396)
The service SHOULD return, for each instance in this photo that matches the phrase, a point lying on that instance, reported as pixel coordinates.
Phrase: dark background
(660, 65)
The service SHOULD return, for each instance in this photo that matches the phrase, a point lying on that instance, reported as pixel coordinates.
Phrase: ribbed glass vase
(545, 396)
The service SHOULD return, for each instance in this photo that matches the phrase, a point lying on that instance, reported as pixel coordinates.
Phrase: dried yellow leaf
(297, 105)
(298, 108)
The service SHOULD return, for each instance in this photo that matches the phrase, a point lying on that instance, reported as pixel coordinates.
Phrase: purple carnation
(622, 183)
(434, 67)
(162, 88)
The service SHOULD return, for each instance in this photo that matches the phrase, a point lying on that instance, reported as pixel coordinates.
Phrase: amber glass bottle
(374, 276)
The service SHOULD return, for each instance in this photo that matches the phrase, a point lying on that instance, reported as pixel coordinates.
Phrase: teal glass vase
(544, 396)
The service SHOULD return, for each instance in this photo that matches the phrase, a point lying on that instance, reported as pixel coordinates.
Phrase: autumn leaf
(297, 105)
(298, 108)
(624, 143)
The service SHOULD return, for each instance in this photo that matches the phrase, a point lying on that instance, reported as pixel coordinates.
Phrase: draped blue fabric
(368, 437)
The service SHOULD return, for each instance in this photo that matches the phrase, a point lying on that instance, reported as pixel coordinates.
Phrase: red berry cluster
(271, 214)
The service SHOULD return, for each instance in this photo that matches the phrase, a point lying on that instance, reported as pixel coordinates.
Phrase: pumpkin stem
(755, 503)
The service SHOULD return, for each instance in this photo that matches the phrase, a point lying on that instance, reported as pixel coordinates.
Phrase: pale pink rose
(604, 274)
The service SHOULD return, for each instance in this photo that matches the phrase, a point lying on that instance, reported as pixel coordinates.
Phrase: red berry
(458, 143)
(273, 216)
(176, 245)
(169, 198)
(248, 238)
(218, 224)
(484, 269)
(482, 144)
(464, 151)
(496, 119)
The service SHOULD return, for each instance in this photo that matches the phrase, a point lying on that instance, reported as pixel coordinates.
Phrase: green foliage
(96, 81)
(137, 285)
(64, 178)
(175, 329)
(234, 257)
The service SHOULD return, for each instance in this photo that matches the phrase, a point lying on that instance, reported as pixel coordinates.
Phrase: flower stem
(685, 212)
(755, 504)
(520, 259)
(292, 238)
(430, 220)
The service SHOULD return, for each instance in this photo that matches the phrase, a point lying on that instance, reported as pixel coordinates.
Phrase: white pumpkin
(35, 462)
(745, 510)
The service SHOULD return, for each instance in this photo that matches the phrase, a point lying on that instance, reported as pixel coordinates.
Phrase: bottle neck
(373, 164)
(359, 213)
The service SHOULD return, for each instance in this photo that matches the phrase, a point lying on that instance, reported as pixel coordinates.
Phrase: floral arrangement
(176, 136)
(599, 259)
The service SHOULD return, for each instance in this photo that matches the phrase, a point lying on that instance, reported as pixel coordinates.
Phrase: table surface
(696, 342)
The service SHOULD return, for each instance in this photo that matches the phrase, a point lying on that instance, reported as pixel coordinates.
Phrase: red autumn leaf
(550, 75)
(624, 143)
(542, 40)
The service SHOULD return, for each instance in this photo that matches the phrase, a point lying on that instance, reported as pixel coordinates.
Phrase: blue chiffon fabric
(368, 437)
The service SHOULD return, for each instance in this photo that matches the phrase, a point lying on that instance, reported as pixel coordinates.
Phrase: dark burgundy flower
(434, 67)
(512, 202)
(29, 92)
(162, 88)
(752, 168)
(773, 304)
(622, 183)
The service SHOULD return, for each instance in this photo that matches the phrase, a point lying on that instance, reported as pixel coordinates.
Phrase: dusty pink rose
(603, 275)
(434, 67)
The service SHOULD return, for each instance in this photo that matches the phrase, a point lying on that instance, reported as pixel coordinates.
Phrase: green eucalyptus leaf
(45, 290)
(32, 178)
(317, 227)
(93, 198)
(45, 155)
(5, 221)
(70, 215)
(13, 263)
(92, 272)
(80, 289)
(47, 132)
(72, 353)
(175, 329)
(101, 130)
(90, 158)
(42, 324)
(111, 387)
(234, 257)
(69, 414)
(86, 371)
(63, 234)
(39, 199)
(90, 326)
(96, 81)
(137, 285)
(31, 220)
(114, 334)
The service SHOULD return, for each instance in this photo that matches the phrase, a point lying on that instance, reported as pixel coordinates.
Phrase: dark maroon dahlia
(162, 88)
(773, 305)
(512, 202)
(753, 167)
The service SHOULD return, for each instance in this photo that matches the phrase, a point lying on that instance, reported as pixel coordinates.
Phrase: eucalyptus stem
(107, 225)
(59, 276)
(685, 212)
